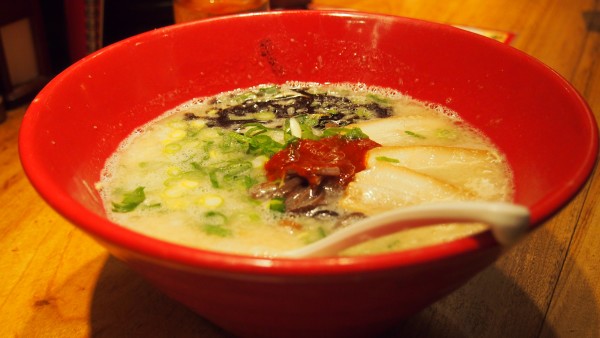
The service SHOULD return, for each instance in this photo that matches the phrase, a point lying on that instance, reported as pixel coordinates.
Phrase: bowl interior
(531, 113)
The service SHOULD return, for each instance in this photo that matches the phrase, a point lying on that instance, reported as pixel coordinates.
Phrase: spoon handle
(507, 222)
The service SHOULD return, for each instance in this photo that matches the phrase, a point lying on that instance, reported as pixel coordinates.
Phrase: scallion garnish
(413, 134)
(386, 159)
(277, 204)
(130, 200)
(214, 224)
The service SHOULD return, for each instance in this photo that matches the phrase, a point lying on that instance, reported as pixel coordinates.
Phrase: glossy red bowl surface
(542, 124)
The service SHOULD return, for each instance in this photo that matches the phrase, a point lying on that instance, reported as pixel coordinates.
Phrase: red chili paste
(314, 159)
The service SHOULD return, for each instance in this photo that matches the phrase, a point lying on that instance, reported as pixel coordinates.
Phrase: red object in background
(546, 130)
(76, 29)
(84, 27)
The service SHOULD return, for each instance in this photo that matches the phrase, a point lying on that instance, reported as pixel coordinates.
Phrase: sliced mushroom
(304, 198)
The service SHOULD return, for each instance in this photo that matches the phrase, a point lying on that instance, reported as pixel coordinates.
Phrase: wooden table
(57, 282)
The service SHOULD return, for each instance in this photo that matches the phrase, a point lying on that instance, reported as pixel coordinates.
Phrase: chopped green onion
(413, 134)
(377, 98)
(277, 204)
(257, 141)
(235, 167)
(216, 230)
(269, 90)
(264, 115)
(172, 148)
(229, 171)
(233, 142)
(386, 159)
(214, 218)
(307, 123)
(321, 232)
(212, 113)
(294, 127)
(196, 165)
(255, 128)
(206, 148)
(348, 133)
(214, 224)
(249, 182)
(245, 96)
(290, 134)
(364, 113)
(264, 145)
(214, 181)
(177, 134)
(130, 200)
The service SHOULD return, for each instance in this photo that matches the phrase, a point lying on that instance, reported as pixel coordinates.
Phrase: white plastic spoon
(507, 222)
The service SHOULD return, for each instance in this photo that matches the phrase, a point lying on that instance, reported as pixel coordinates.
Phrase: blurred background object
(40, 38)
(24, 66)
(2, 110)
(98, 23)
(289, 4)
(125, 18)
(191, 10)
(92, 24)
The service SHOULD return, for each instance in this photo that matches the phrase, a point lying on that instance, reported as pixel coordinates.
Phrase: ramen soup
(272, 168)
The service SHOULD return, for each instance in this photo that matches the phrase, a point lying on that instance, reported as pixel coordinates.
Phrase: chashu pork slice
(385, 186)
(417, 130)
(479, 171)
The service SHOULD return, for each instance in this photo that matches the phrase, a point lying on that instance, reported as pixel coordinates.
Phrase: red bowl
(542, 124)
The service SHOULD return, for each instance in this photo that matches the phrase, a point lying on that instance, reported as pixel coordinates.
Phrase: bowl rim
(166, 253)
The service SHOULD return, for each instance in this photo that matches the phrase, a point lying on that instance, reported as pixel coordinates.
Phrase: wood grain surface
(57, 282)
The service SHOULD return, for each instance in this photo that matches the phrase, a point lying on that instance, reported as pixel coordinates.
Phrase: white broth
(267, 169)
